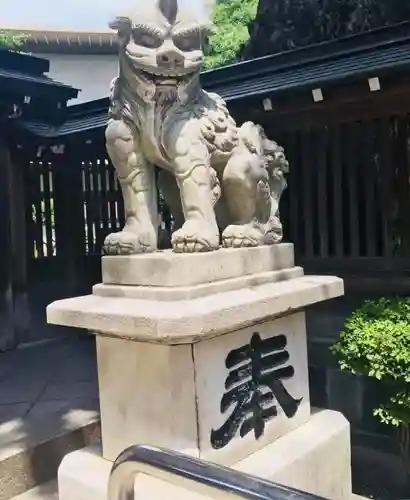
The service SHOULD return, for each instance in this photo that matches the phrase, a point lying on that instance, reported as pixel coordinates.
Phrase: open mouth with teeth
(161, 79)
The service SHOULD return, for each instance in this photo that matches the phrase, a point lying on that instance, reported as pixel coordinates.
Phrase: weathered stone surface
(186, 321)
(162, 293)
(313, 458)
(167, 269)
(215, 177)
(159, 413)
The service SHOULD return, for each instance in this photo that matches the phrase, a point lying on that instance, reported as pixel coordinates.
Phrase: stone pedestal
(171, 394)
(206, 354)
(315, 457)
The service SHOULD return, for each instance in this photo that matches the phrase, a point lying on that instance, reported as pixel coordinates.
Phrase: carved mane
(169, 9)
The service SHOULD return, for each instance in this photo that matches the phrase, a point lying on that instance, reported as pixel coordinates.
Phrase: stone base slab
(169, 269)
(187, 321)
(195, 291)
(314, 458)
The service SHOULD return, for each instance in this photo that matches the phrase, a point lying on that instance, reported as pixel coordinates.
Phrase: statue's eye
(147, 39)
(188, 42)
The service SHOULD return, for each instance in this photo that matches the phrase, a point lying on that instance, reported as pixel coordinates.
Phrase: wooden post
(8, 338)
(19, 229)
(69, 218)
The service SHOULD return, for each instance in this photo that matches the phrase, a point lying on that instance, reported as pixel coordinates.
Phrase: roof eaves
(35, 86)
(24, 63)
(82, 42)
(256, 89)
(347, 46)
(87, 108)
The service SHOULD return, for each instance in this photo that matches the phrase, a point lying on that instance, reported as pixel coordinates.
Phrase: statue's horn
(169, 9)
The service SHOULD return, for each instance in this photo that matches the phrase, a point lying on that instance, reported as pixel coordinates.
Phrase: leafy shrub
(11, 40)
(231, 19)
(376, 342)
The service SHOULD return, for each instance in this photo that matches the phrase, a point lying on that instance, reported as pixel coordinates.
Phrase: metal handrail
(220, 482)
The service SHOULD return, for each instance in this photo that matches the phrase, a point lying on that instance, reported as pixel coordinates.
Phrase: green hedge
(376, 342)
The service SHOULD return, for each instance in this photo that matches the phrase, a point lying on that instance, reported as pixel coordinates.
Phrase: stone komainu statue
(221, 182)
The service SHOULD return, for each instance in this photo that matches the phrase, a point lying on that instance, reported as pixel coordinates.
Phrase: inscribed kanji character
(255, 386)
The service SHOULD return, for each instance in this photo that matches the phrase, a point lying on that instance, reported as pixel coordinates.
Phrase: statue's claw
(195, 236)
(241, 236)
(249, 235)
(127, 243)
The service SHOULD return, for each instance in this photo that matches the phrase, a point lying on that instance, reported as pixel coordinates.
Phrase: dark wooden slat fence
(346, 208)
(349, 194)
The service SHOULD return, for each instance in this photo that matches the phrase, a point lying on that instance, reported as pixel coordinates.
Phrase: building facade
(84, 60)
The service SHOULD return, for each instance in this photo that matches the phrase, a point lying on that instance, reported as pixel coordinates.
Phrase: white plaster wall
(92, 74)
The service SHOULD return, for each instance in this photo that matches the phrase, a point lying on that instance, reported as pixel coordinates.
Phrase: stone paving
(48, 406)
(46, 381)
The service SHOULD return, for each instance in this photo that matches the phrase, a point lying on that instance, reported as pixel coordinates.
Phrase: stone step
(48, 408)
(29, 461)
(47, 491)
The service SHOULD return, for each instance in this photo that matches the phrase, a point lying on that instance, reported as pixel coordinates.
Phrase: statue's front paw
(196, 236)
(242, 236)
(252, 235)
(127, 243)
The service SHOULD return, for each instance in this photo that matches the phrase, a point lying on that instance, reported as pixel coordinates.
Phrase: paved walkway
(46, 389)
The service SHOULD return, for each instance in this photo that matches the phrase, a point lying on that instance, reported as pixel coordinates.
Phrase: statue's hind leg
(252, 208)
(137, 180)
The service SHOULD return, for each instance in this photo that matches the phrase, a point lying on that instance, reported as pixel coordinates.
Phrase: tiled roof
(79, 118)
(68, 41)
(320, 73)
(23, 75)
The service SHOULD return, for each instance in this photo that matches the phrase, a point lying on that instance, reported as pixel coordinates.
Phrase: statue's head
(164, 40)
